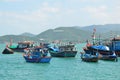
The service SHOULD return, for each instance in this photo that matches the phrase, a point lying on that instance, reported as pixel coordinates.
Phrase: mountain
(65, 33)
(102, 28)
(27, 34)
(105, 31)
(74, 33)
(16, 38)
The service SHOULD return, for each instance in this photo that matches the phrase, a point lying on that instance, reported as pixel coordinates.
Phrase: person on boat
(27, 50)
(41, 52)
(7, 46)
(88, 44)
(44, 52)
(36, 53)
(41, 45)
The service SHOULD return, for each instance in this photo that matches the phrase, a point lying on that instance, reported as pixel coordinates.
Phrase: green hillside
(16, 38)
(67, 34)
(27, 34)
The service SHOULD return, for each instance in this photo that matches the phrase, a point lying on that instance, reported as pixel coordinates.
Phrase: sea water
(14, 67)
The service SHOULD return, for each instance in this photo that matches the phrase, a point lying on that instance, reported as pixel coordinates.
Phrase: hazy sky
(36, 16)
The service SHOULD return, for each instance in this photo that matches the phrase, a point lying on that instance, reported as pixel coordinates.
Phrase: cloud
(115, 15)
(41, 14)
(12, 0)
(96, 12)
(1, 13)
(89, 0)
(28, 17)
(37, 20)
(47, 8)
(103, 14)
(58, 13)
(51, 9)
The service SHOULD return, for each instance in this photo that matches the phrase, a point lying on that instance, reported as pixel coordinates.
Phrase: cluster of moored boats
(40, 53)
(91, 53)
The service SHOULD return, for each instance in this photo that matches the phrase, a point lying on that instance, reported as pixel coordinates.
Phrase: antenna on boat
(111, 34)
(114, 47)
(93, 36)
(99, 39)
(10, 42)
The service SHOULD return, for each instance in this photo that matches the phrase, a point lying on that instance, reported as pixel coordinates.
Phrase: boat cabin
(66, 48)
(115, 44)
(25, 44)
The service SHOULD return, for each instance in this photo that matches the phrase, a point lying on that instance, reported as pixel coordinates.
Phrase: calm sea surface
(14, 67)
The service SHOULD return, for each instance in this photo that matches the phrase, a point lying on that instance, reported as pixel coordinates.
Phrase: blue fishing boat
(110, 56)
(37, 55)
(97, 46)
(104, 52)
(63, 51)
(89, 56)
(102, 49)
(115, 45)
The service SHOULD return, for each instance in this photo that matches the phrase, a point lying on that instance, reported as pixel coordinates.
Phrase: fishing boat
(104, 52)
(97, 46)
(63, 51)
(36, 55)
(89, 56)
(21, 46)
(115, 45)
(110, 56)
(102, 49)
(7, 51)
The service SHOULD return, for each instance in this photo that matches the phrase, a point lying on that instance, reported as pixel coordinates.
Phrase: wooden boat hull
(95, 59)
(108, 57)
(117, 52)
(18, 49)
(37, 60)
(104, 55)
(63, 54)
(7, 51)
(89, 58)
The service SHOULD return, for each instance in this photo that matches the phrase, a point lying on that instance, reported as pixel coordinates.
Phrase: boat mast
(93, 36)
(99, 39)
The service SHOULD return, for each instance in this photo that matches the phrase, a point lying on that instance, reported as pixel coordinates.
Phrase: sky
(36, 16)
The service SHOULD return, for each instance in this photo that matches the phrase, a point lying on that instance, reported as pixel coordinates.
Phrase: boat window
(22, 46)
(67, 49)
(61, 49)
